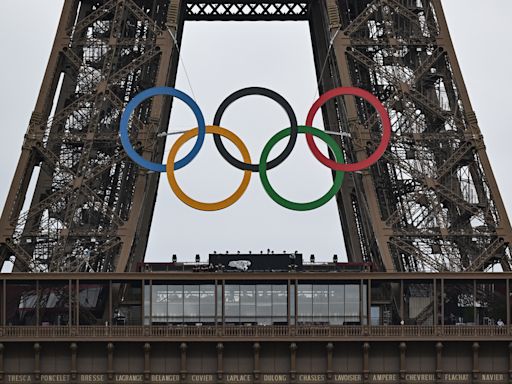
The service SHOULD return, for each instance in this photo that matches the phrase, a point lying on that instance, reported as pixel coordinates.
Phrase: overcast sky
(221, 58)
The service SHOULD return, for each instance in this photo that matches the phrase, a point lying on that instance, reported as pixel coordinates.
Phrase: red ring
(386, 126)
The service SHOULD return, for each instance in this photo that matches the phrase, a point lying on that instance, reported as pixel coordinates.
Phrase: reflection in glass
(321, 303)
(351, 304)
(232, 303)
(147, 305)
(335, 304)
(174, 303)
(248, 303)
(279, 304)
(264, 303)
(305, 303)
(191, 303)
(207, 303)
(178, 303)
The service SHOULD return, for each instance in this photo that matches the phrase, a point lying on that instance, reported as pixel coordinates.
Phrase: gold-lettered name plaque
(264, 378)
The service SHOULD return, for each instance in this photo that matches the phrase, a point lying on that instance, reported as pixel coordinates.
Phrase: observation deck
(228, 321)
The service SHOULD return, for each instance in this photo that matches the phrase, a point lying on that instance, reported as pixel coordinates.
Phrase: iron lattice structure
(430, 204)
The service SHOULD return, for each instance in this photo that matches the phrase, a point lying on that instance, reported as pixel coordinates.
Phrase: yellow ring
(198, 204)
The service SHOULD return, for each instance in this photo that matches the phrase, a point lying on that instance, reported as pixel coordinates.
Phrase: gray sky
(221, 58)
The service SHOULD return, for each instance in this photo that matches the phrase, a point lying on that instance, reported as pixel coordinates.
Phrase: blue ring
(134, 103)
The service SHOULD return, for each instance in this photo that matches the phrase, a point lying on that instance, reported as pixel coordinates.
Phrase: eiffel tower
(430, 204)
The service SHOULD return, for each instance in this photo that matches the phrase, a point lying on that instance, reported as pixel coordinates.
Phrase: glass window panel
(264, 303)
(159, 300)
(175, 303)
(232, 303)
(352, 303)
(279, 303)
(207, 303)
(336, 304)
(191, 303)
(219, 303)
(320, 303)
(147, 300)
(247, 303)
(305, 303)
(375, 315)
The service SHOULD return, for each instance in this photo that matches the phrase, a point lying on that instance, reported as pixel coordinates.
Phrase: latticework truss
(91, 208)
(247, 10)
(431, 203)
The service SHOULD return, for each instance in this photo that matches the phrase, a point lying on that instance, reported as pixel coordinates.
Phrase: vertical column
(439, 361)
(223, 306)
(366, 363)
(216, 305)
(293, 361)
(402, 313)
(442, 302)
(183, 362)
(77, 304)
(342, 44)
(510, 362)
(220, 362)
(476, 366)
(134, 233)
(38, 300)
(147, 363)
(150, 303)
(143, 304)
(295, 303)
(361, 301)
(368, 306)
(288, 302)
(70, 304)
(507, 304)
(1, 363)
(110, 303)
(73, 372)
(435, 320)
(37, 362)
(403, 348)
(4, 301)
(110, 362)
(330, 348)
(474, 303)
(256, 371)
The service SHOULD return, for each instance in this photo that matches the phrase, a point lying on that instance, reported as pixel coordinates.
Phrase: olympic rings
(386, 127)
(138, 99)
(197, 204)
(338, 180)
(337, 165)
(263, 92)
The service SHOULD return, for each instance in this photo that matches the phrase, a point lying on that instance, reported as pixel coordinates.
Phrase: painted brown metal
(430, 204)
(92, 208)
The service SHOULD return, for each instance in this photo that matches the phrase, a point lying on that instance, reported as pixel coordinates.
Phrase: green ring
(338, 180)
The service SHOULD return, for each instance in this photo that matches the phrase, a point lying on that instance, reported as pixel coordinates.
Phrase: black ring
(278, 99)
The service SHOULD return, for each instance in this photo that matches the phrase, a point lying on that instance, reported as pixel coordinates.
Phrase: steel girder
(431, 203)
(92, 207)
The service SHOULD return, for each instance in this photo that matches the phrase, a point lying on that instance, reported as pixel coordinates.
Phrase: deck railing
(254, 331)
